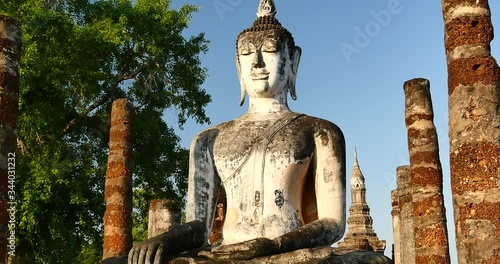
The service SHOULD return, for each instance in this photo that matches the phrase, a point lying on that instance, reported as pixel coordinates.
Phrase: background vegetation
(78, 56)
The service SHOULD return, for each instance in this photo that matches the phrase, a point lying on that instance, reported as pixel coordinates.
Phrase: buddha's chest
(256, 149)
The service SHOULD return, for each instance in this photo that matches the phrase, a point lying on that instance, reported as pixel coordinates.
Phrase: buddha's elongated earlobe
(242, 83)
(293, 77)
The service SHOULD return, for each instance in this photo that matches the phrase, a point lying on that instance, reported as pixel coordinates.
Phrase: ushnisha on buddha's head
(267, 58)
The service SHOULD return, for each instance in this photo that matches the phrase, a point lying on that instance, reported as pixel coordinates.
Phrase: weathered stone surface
(467, 73)
(429, 215)
(474, 134)
(164, 215)
(10, 52)
(116, 260)
(396, 227)
(361, 234)
(323, 255)
(283, 172)
(406, 231)
(479, 30)
(160, 248)
(457, 8)
(118, 184)
(271, 140)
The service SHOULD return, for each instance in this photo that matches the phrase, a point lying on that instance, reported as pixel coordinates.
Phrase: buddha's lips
(260, 76)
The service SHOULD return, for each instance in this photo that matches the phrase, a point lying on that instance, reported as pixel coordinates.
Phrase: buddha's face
(264, 63)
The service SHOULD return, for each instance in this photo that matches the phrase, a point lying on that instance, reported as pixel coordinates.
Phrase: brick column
(10, 53)
(164, 215)
(406, 231)
(429, 214)
(474, 134)
(396, 226)
(118, 186)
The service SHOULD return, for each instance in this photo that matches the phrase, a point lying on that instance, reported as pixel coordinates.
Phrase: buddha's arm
(204, 183)
(330, 192)
(317, 233)
(202, 195)
(331, 179)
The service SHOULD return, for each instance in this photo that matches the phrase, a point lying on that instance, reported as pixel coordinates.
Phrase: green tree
(78, 56)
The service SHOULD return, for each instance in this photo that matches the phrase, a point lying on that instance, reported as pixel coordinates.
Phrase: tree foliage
(78, 56)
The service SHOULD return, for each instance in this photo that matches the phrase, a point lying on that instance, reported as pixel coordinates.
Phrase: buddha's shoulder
(319, 125)
(212, 132)
(304, 123)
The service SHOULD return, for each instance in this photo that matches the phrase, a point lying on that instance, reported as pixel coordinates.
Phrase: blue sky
(353, 81)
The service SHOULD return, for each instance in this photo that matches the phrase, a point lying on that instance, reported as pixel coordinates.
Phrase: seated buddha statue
(283, 172)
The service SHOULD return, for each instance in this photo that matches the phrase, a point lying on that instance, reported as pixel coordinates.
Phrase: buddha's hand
(244, 250)
(157, 249)
(147, 252)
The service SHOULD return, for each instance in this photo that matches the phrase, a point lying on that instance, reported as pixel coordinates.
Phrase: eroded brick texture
(118, 185)
(429, 216)
(10, 52)
(396, 226)
(474, 133)
(164, 214)
(403, 221)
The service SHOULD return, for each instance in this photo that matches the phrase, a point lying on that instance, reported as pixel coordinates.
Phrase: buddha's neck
(268, 105)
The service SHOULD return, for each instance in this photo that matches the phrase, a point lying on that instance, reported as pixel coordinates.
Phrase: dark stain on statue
(281, 66)
(257, 198)
(279, 198)
(203, 186)
(328, 175)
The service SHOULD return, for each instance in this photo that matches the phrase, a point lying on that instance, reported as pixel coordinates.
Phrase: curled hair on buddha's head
(266, 21)
(270, 23)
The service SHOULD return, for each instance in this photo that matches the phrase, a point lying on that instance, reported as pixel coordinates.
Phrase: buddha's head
(266, 57)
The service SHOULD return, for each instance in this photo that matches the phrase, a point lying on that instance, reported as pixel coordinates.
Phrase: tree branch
(22, 147)
(103, 100)
(97, 104)
(134, 74)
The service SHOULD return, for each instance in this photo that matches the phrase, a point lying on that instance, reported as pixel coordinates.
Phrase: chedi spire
(360, 234)
(357, 178)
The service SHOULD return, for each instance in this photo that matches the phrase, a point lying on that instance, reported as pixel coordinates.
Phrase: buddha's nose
(258, 61)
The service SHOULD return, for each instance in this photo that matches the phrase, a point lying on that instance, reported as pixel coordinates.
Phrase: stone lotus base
(323, 255)
(115, 260)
